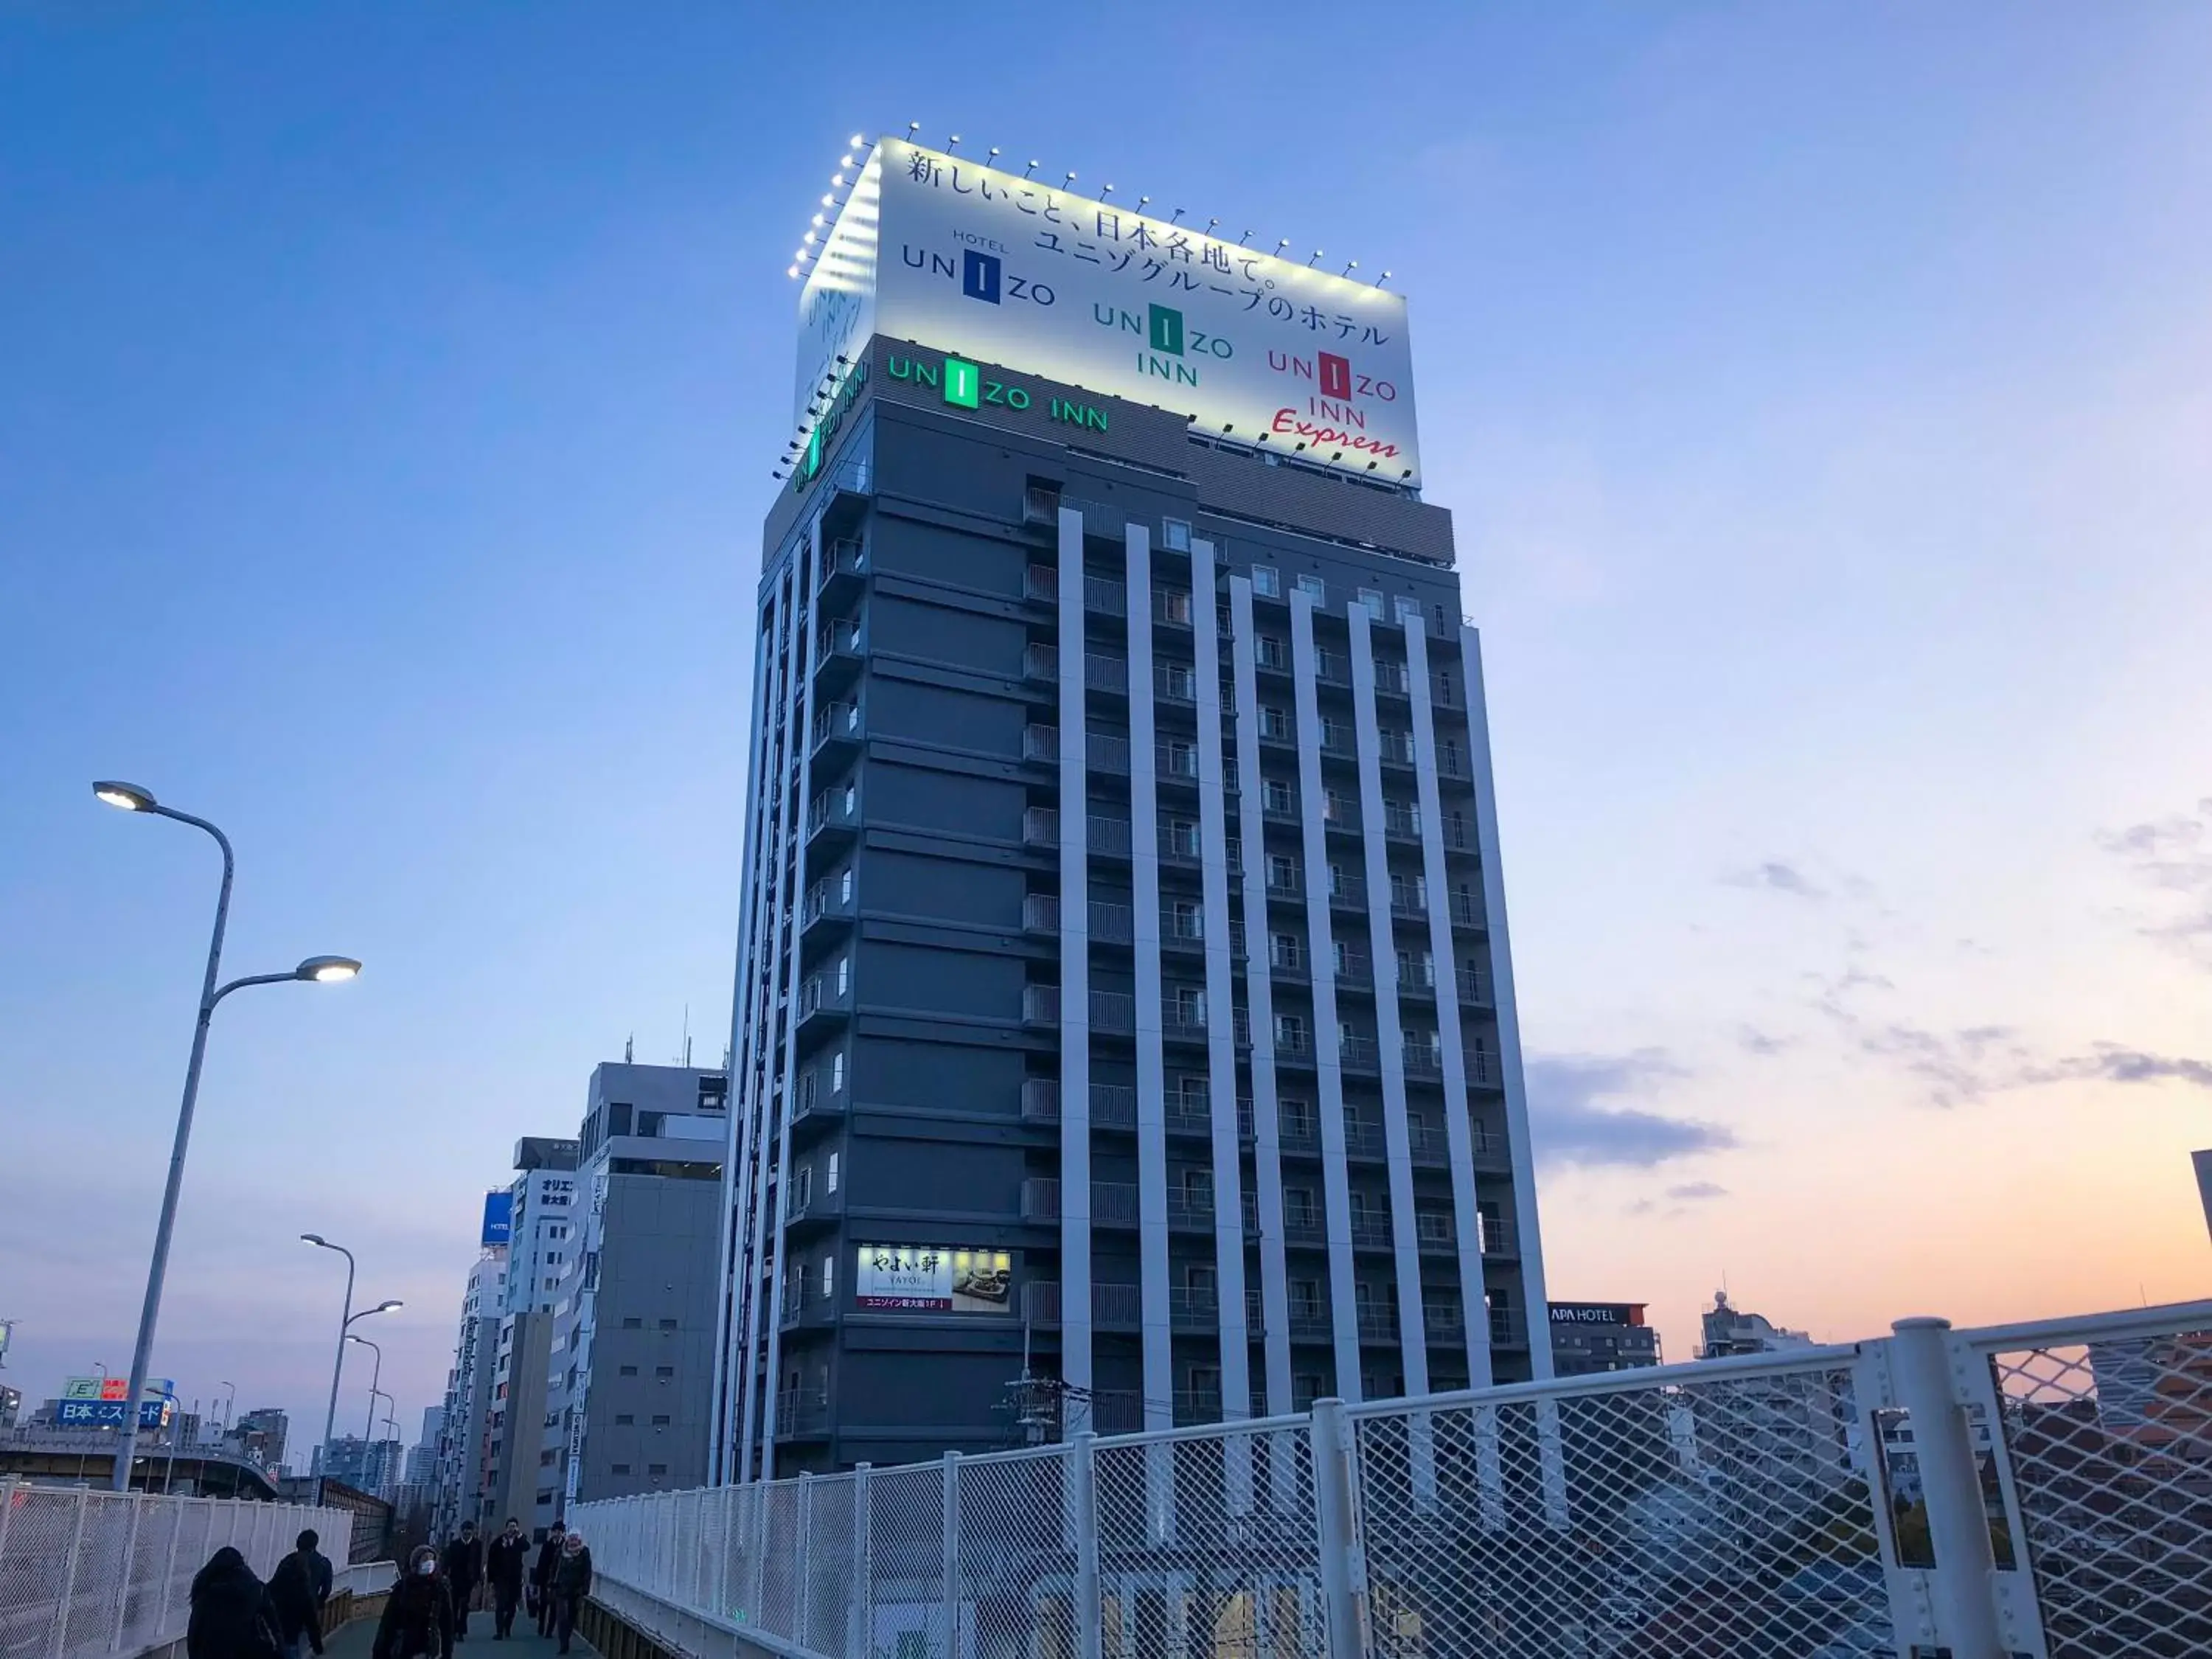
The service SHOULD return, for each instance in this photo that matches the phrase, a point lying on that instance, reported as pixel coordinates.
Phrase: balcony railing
(1173, 682)
(1498, 1236)
(1466, 911)
(1194, 1406)
(1172, 606)
(1354, 968)
(1041, 913)
(1040, 1199)
(1108, 836)
(1175, 762)
(1041, 1100)
(1401, 822)
(1190, 1208)
(1040, 581)
(1117, 1307)
(1104, 673)
(838, 721)
(1408, 902)
(1348, 892)
(1179, 846)
(846, 559)
(1041, 1004)
(1370, 1232)
(1377, 1323)
(1041, 826)
(1484, 1070)
(1509, 1328)
(1113, 1105)
(802, 1413)
(1110, 923)
(1105, 596)
(1357, 1053)
(1040, 662)
(1424, 1060)
(1113, 1011)
(1293, 1045)
(1114, 1203)
(1041, 743)
(1192, 1310)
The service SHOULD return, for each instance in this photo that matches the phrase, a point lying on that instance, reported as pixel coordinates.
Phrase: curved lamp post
(322, 970)
(375, 1377)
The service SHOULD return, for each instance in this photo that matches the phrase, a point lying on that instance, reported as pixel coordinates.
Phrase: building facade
(1591, 1337)
(630, 1338)
(464, 1449)
(1125, 1016)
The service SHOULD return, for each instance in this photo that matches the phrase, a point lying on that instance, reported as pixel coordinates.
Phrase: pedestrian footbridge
(2038, 1489)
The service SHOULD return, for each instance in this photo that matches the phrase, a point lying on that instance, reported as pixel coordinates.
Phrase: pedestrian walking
(464, 1569)
(232, 1617)
(418, 1614)
(572, 1583)
(503, 1568)
(541, 1577)
(300, 1587)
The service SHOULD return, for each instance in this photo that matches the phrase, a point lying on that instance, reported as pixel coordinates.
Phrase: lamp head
(128, 796)
(327, 970)
(314, 1238)
(387, 1307)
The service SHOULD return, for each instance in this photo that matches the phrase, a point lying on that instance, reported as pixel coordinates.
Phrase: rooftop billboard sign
(940, 251)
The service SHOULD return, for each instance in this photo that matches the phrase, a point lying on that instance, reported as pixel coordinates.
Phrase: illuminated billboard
(937, 250)
(498, 1219)
(932, 1278)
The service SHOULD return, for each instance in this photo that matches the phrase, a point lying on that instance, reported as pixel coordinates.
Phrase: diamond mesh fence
(1015, 1554)
(94, 1573)
(1728, 1519)
(906, 1614)
(2108, 1441)
(1209, 1543)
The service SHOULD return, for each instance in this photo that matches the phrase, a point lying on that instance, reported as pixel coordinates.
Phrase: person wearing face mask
(572, 1583)
(503, 1561)
(418, 1614)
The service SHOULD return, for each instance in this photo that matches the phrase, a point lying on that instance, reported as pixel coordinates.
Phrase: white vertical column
(1151, 1061)
(1459, 1138)
(1389, 1030)
(793, 881)
(1336, 1184)
(1536, 1308)
(739, 1096)
(776, 851)
(1075, 1367)
(1259, 995)
(1220, 993)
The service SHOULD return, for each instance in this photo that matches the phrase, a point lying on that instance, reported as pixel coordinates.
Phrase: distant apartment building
(632, 1342)
(422, 1455)
(11, 1405)
(259, 1436)
(1591, 1337)
(367, 1465)
(1730, 1330)
(463, 1453)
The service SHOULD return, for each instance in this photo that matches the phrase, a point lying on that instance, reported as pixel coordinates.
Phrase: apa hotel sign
(987, 266)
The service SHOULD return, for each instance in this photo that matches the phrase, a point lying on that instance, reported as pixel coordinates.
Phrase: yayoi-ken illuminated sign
(937, 249)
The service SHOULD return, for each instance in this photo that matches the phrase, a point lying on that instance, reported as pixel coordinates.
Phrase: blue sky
(387, 400)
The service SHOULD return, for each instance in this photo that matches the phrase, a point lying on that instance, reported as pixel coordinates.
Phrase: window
(656, 1468)
(829, 1276)
(845, 887)
(1175, 535)
(836, 1072)
(1297, 1117)
(1448, 756)
(1314, 588)
(667, 1324)
(1282, 872)
(1182, 838)
(618, 1468)
(545, 1459)
(1408, 893)
(1305, 1297)
(618, 1118)
(1175, 606)
(1370, 601)
(829, 1183)
(1434, 1226)
(648, 1124)
(1274, 722)
(802, 1187)
(660, 1422)
(1267, 582)
(1272, 651)
(1409, 610)
(1290, 1030)
(1189, 1004)
(844, 974)
(1334, 734)
(664, 1372)
(1277, 796)
(624, 1419)
(1185, 920)
(632, 1324)
(1284, 951)
(1417, 968)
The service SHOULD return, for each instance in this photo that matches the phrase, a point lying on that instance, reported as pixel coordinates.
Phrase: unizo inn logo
(981, 275)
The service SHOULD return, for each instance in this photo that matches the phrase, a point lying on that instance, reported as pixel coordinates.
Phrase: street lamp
(317, 969)
(375, 1377)
(230, 1404)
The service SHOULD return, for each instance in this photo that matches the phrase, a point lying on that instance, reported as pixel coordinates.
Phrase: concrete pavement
(354, 1641)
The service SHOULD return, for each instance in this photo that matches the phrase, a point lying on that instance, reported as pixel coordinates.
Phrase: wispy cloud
(1777, 876)
(2173, 857)
(1696, 1192)
(1765, 1046)
(1571, 1126)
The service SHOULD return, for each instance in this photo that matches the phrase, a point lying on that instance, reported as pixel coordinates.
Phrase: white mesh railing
(88, 1572)
(2041, 1489)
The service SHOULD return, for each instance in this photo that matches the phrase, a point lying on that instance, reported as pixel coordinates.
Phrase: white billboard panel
(937, 249)
(932, 1278)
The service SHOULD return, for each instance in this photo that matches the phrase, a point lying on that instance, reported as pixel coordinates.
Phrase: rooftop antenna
(629, 1048)
(687, 1035)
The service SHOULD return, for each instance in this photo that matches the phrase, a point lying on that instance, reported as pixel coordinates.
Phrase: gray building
(1591, 1337)
(632, 1331)
(1124, 1031)
(463, 1449)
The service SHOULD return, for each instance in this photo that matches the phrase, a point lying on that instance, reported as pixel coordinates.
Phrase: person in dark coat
(503, 1560)
(572, 1583)
(418, 1614)
(541, 1576)
(232, 1617)
(300, 1587)
(463, 1572)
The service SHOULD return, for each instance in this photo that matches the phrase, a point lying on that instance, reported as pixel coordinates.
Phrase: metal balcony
(838, 731)
(1190, 1210)
(1107, 836)
(837, 655)
(1114, 1203)
(1357, 1053)
(1433, 1236)
(1040, 662)
(1193, 1309)
(1174, 763)
(1041, 1100)
(1467, 912)
(844, 570)
(1105, 597)
(1378, 1324)
(1113, 1106)
(1040, 1199)
(1484, 1070)
(1041, 913)
(826, 904)
(835, 812)
(1117, 1307)
(822, 999)
(1347, 893)
(1194, 1406)
(802, 1414)
(1040, 827)
(1509, 1328)
(1370, 1232)
(1113, 1011)
(1110, 923)
(1104, 673)
(1400, 823)
(1041, 743)
(1041, 1004)
(1424, 1060)
(1107, 752)
(1041, 582)
(1174, 683)
(1498, 1237)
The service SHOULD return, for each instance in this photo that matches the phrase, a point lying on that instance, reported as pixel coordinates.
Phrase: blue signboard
(108, 1413)
(498, 1218)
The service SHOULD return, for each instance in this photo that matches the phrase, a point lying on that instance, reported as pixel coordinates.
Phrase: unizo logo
(981, 275)
(1169, 345)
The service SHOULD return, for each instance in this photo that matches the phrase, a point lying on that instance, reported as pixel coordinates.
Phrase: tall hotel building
(1125, 1028)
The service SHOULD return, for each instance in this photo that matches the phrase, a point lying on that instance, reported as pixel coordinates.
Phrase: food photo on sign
(932, 1278)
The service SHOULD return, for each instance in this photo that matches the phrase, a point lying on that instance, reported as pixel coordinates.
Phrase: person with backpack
(418, 1613)
(300, 1588)
(572, 1583)
(231, 1616)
